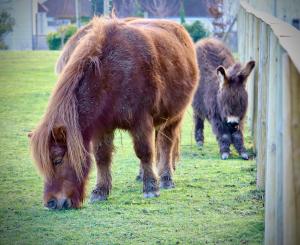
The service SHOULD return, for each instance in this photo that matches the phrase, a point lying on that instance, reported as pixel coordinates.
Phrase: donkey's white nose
(233, 119)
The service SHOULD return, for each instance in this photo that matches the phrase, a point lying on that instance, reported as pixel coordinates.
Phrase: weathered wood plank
(270, 203)
(295, 133)
(279, 178)
(263, 67)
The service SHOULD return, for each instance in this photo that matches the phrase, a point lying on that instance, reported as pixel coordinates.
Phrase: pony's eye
(58, 161)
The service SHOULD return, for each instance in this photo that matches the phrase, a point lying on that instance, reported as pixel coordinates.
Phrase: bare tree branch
(161, 8)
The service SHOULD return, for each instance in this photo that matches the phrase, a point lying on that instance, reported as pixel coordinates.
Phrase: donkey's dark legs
(143, 139)
(223, 137)
(224, 144)
(103, 147)
(238, 142)
(199, 126)
(167, 139)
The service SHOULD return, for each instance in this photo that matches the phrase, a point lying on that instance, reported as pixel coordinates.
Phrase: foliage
(6, 26)
(196, 30)
(54, 39)
(97, 7)
(214, 202)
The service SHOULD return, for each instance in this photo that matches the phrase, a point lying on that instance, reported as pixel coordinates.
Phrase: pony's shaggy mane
(62, 108)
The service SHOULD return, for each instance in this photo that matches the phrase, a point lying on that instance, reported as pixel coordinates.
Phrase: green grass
(214, 202)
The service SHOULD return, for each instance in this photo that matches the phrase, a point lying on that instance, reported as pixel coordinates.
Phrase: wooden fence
(274, 117)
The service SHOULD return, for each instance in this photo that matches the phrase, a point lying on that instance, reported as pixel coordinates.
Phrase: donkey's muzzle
(233, 126)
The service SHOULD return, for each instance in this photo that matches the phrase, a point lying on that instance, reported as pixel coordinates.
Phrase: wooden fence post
(263, 68)
(270, 203)
(278, 117)
(255, 56)
(291, 153)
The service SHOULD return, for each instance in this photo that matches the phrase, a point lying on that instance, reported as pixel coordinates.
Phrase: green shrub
(54, 39)
(67, 31)
(196, 30)
(6, 26)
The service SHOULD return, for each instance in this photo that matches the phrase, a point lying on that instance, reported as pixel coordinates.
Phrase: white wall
(24, 14)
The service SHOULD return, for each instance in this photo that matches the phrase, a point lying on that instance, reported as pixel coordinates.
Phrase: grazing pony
(221, 96)
(137, 75)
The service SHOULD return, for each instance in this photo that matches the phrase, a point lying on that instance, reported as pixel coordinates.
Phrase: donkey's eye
(58, 161)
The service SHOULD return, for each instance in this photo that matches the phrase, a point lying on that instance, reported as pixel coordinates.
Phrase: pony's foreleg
(103, 147)
(143, 140)
(167, 144)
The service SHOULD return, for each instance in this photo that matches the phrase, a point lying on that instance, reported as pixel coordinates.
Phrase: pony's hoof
(98, 195)
(151, 194)
(199, 143)
(166, 182)
(225, 155)
(245, 156)
(139, 178)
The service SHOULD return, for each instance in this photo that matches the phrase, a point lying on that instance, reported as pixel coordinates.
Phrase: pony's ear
(222, 76)
(244, 73)
(29, 135)
(59, 134)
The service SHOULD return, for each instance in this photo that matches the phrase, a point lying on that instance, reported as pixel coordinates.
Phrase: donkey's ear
(247, 70)
(222, 76)
(59, 134)
(30, 134)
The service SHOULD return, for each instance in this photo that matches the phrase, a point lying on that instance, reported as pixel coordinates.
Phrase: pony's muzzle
(59, 204)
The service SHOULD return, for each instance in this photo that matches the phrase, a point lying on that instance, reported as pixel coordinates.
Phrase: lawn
(214, 202)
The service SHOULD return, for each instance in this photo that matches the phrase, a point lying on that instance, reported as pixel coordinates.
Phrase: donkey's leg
(176, 150)
(199, 126)
(238, 142)
(167, 138)
(143, 140)
(224, 144)
(103, 148)
(224, 139)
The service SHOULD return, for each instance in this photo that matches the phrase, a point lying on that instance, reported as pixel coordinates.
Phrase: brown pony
(136, 75)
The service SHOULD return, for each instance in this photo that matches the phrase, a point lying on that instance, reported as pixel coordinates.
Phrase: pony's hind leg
(143, 140)
(103, 148)
(176, 150)
(168, 149)
(139, 177)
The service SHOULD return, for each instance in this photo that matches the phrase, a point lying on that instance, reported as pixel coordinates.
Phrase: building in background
(34, 19)
(24, 13)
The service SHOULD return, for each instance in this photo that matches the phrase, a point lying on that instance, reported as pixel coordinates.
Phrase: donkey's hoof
(98, 195)
(245, 156)
(151, 194)
(199, 143)
(225, 155)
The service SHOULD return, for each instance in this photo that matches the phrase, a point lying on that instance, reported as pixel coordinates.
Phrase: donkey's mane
(62, 108)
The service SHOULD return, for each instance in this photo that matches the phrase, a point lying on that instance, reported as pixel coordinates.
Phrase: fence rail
(274, 117)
